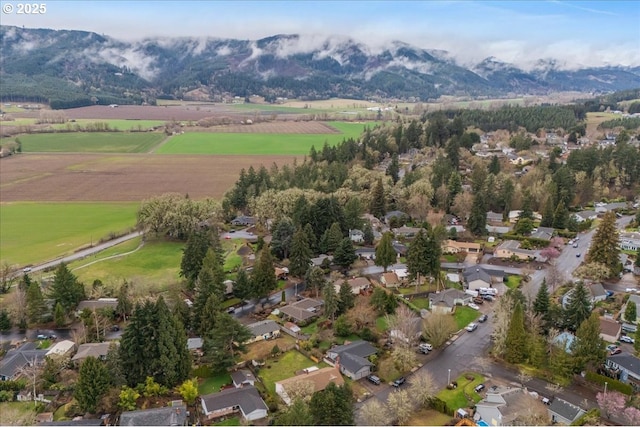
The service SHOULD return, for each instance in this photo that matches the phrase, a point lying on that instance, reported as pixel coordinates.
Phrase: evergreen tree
(453, 153)
(193, 254)
(494, 166)
(527, 211)
(561, 216)
(346, 298)
(242, 286)
(282, 238)
(58, 315)
(637, 263)
(295, 415)
(93, 382)
(537, 350)
(378, 204)
(385, 253)
(66, 289)
(35, 303)
(208, 314)
(454, 186)
(393, 169)
(423, 255)
(113, 365)
(332, 406)
(334, 237)
(330, 300)
(210, 282)
(315, 280)
(124, 307)
(579, 307)
(516, 341)
(5, 320)
(548, 214)
(345, 253)
(605, 247)
(542, 301)
(263, 279)
(478, 218)
(630, 313)
(311, 238)
(369, 237)
(225, 341)
(588, 349)
(353, 211)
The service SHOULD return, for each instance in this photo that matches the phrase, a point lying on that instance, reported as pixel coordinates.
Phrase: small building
(320, 259)
(243, 220)
(477, 278)
(454, 247)
(504, 406)
(397, 215)
(281, 273)
(174, 415)
(498, 229)
(244, 400)
(195, 344)
(356, 236)
(445, 301)
(99, 350)
(494, 218)
(318, 380)
(352, 358)
(406, 232)
(61, 349)
(242, 378)
(630, 241)
(357, 284)
(610, 330)
(563, 412)
(626, 368)
(263, 330)
(366, 253)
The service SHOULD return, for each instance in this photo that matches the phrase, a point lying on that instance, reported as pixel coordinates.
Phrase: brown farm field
(128, 177)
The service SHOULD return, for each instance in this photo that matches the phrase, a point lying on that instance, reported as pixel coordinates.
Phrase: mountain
(73, 68)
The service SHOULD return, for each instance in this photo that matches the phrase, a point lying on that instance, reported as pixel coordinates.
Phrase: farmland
(91, 142)
(35, 232)
(258, 143)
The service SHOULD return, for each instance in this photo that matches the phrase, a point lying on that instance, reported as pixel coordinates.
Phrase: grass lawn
(421, 302)
(457, 398)
(213, 384)
(35, 232)
(257, 143)
(114, 124)
(464, 315)
(235, 421)
(153, 268)
(426, 287)
(284, 367)
(381, 324)
(428, 417)
(311, 328)
(58, 415)
(513, 282)
(450, 258)
(17, 414)
(91, 142)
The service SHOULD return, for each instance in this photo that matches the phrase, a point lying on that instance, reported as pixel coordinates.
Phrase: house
(228, 287)
(610, 330)
(494, 217)
(629, 241)
(98, 304)
(15, 360)
(397, 215)
(366, 253)
(390, 280)
(511, 249)
(514, 216)
(61, 349)
(356, 236)
(303, 310)
(543, 233)
(243, 220)
(445, 301)
(263, 330)
(502, 406)
(603, 208)
(243, 377)
(583, 216)
(498, 229)
(245, 400)
(636, 300)
(318, 380)
(195, 344)
(414, 331)
(357, 284)
(625, 367)
(477, 278)
(99, 350)
(596, 292)
(454, 247)
(401, 250)
(352, 358)
(84, 422)
(563, 412)
(565, 340)
(406, 232)
(402, 273)
(174, 415)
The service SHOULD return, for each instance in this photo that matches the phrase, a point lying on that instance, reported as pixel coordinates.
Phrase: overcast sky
(594, 33)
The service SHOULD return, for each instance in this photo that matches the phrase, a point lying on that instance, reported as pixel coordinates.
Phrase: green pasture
(37, 232)
(113, 124)
(19, 122)
(151, 269)
(257, 144)
(91, 142)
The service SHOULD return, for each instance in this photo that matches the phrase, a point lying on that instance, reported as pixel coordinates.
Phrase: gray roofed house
(366, 253)
(477, 278)
(596, 291)
(445, 301)
(243, 220)
(97, 304)
(263, 330)
(302, 310)
(494, 217)
(242, 377)
(15, 360)
(498, 229)
(317, 261)
(352, 358)
(602, 208)
(245, 400)
(175, 415)
(544, 233)
(627, 367)
(356, 236)
(504, 405)
(585, 215)
(561, 411)
(394, 214)
(98, 350)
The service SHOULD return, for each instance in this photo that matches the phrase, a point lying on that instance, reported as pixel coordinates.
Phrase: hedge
(539, 243)
(612, 384)
(439, 405)
(13, 385)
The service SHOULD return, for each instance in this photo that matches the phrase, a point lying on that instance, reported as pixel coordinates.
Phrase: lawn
(36, 232)
(464, 315)
(456, 398)
(284, 367)
(91, 142)
(257, 143)
(513, 282)
(234, 421)
(212, 384)
(428, 417)
(17, 414)
(311, 328)
(381, 324)
(421, 302)
(152, 268)
(114, 124)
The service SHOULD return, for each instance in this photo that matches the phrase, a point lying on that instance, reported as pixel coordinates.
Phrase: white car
(630, 290)
(627, 339)
(474, 306)
(471, 327)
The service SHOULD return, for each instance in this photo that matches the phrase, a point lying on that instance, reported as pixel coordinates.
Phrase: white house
(356, 236)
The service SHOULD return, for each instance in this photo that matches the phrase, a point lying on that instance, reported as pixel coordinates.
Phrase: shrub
(6, 396)
(612, 384)
(439, 405)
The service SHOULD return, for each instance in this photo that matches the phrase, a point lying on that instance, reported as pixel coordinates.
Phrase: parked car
(611, 347)
(616, 350)
(399, 382)
(479, 388)
(546, 401)
(627, 339)
(483, 318)
(472, 327)
(478, 300)
(488, 298)
(375, 380)
(425, 348)
(578, 255)
(575, 245)
(475, 307)
(231, 310)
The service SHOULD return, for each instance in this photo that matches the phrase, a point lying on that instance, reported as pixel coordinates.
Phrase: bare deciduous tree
(400, 406)
(404, 326)
(555, 277)
(302, 389)
(438, 327)
(404, 358)
(7, 279)
(523, 377)
(501, 319)
(422, 387)
(362, 314)
(375, 413)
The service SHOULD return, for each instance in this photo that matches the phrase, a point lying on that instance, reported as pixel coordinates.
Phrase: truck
(488, 291)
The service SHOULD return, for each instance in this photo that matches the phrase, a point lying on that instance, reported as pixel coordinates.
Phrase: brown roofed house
(318, 380)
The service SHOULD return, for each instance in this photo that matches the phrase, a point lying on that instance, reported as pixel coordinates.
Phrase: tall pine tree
(516, 342)
(263, 279)
(478, 218)
(300, 256)
(385, 253)
(193, 254)
(93, 381)
(35, 303)
(588, 349)
(66, 289)
(579, 307)
(377, 207)
(225, 342)
(605, 247)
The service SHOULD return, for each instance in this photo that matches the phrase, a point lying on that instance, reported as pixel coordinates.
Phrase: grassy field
(36, 232)
(114, 124)
(464, 315)
(284, 367)
(91, 142)
(457, 398)
(256, 143)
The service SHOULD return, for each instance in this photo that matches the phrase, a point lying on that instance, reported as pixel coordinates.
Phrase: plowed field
(127, 177)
